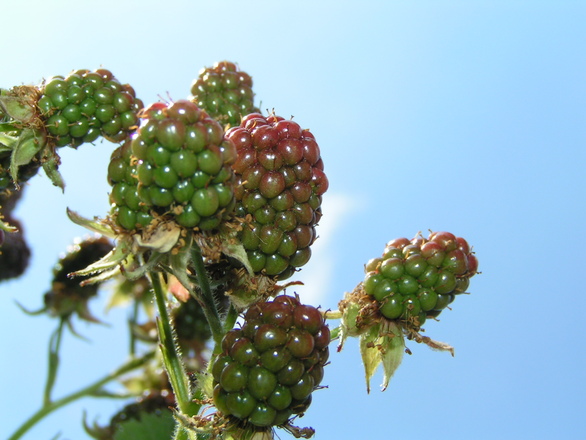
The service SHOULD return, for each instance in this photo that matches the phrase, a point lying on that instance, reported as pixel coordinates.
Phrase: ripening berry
(418, 278)
(280, 184)
(270, 366)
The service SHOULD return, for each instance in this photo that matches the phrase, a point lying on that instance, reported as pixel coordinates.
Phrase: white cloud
(318, 274)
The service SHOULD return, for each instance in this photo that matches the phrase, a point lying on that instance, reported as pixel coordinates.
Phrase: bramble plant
(214, 206)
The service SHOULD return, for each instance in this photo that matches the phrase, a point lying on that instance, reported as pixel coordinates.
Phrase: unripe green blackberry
(127, 209)
(269, 367)
(280, 183)
(224, 92)
(418, 278)
(85, 105)
(184, 164)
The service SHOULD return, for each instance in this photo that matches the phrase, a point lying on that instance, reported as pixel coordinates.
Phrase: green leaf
(8, 127)
(348, 322)
(370, 352)
(161, 239)
(95, 225)
(135, 271)
(19, 103)
(108, 263)
(392, 350)
(28, 145)
(236, 250)
(382, 343)
(7, 142)
(150, 427)
(51, 168)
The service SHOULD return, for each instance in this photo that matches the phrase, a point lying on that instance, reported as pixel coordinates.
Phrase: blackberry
(190, 323)
(184, 164)
(155, 401)
(269, 367)
(153, 408)
(86, 105)
(68, 295)
(14, 252)
(225, 92)
(280, 183)
(418, 278)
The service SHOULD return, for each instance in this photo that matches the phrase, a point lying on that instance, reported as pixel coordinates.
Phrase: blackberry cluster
(269, 367)
(280, 183)
(184, 164)
(127, 209)
(418, 278)
(86, 105)
(225, 92)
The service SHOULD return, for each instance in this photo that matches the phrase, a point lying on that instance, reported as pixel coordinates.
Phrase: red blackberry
(270, 366)
(280, 183)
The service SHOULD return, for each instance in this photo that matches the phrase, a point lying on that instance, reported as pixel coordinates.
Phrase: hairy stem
(207, 297)
(169, 349)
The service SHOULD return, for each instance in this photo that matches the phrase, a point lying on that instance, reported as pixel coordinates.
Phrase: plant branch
(53, 362)
(171, 357)
(46, 409)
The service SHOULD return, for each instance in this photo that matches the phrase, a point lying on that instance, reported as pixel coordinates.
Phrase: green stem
(171, 357)
(53, 363)
(207, 298)
(84, 392)
(131, 324)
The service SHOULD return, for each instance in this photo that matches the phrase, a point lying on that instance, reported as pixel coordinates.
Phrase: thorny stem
(207, 298)
(48, 408)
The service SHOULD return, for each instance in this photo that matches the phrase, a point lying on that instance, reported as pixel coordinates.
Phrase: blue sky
(446, 115)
